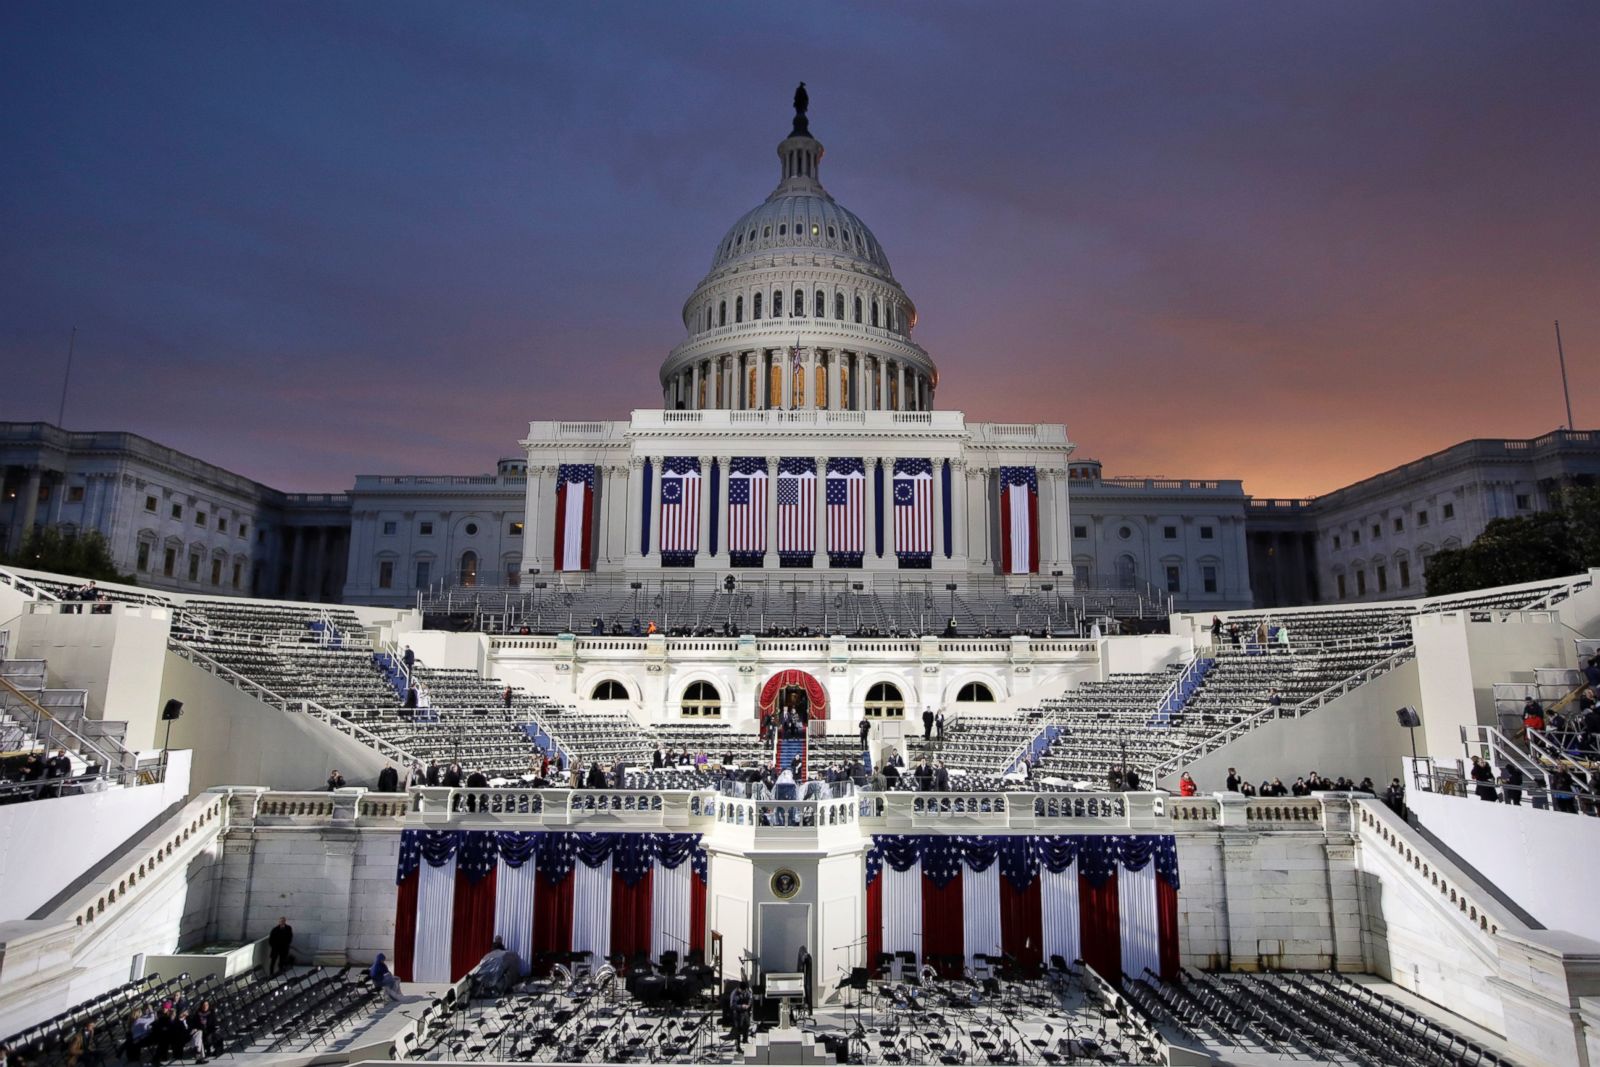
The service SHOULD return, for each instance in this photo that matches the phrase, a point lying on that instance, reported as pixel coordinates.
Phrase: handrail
(1309, 704)
(121, 761)
(26, 587)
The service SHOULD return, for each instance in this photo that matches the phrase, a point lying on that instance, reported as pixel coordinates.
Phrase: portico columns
(694, 387)
(771, 559)
(704, 518)
(900, 399)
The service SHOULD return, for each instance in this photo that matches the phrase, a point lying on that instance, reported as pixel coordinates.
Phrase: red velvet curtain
(1022, 926)
(405, 927)
(1167, 927)
(630, 917)
(471, 922)
(697, 914)
(941, 927)
(552, 918)
(1100, 927)
(874, 923)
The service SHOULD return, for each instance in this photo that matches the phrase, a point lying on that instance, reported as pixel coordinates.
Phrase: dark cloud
(1288, 243)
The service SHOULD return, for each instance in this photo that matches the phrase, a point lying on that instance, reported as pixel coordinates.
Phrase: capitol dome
(800, 310)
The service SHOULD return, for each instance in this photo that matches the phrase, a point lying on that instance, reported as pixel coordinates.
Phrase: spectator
(597, 776)
(452, 777)
(434, 774)
(1233, 780)
(383, 980)
(169, 1036)
(1186, 786)
(140, 1025)
(279, 941)
(1216, 630)
(409, 658)
(927, 722)
(1233, 634)
(81, 1050)
(864, 728)
(1511, 776)
(941, 777)
(1301, 788)
(1131, 781)
(203, 1030)
(938, 725)
(388, 779)
(1483, 774)
(1366, 786)
(508, 697)
(1247, 789)
(1275, 702)
(59, 765)
(1562, 797)
(1395, 797)
(335, 780)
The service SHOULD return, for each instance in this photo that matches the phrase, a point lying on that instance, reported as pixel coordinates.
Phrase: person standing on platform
(388, 779)
(864, 728)
(279, 942)
(739, 1005)
(927, 722)
(938, 726)
(409, 658)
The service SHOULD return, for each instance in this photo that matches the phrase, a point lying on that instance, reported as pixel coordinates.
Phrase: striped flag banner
(680, 510)
(575, 484)
(847, 513)
(913, 512)
(1019, 520)
(747, 511)
(797, 511)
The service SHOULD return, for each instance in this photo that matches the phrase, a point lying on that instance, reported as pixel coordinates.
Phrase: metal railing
(49, 731)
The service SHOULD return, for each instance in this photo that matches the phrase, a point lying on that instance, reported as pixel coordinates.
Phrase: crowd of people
(1304, 786)
(38, 775)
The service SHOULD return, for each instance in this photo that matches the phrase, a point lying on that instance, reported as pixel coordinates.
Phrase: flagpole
(1560, 354)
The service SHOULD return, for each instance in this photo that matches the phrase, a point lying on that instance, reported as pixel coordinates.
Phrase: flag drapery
(847, 510)
(575, 496)
(1110, 900)
(877, 508)
(747, 511)
(543, 893)
(644, 509)
(680, 510)
(797, 511)
(913, 512)
(947, 510)
(1019, 520)
(713, 512)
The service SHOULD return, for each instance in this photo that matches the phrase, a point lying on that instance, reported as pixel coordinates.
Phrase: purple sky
(1291, 243)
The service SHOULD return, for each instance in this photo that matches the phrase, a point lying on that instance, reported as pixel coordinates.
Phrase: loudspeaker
(1408, 717)
(173, 710)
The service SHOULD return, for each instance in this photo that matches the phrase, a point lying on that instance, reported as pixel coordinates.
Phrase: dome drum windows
(838, 306)
(738, 309)
(777, 302)
(800, 302)
(755, 306)
(821, 305)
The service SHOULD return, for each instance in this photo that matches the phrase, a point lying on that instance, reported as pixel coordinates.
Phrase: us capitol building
(797, 446)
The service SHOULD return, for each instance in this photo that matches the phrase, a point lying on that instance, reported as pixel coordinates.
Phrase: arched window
(702, 699)
(738, 309)
(1127, 572)
(838, 306)
(708, 316)
(798, 397)
(975, 692)
(755, 306)
(722, 313)
(858, 309)
(469, 568)
(884, 702)
(820, 305)
(777, 305)
(610, 689)
(874, 313)
(800, 302)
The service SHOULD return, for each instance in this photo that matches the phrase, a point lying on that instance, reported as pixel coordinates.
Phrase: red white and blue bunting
(847, 512)
(680, 510)
(1019, 520)
(575, 496)
(797, 511)
(546, 894)
(747, 511)
(1109, 900)
(913, 512)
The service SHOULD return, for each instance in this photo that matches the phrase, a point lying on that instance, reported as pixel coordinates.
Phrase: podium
(785, 987)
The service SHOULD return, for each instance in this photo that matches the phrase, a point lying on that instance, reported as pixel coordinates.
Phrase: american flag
(913, 508)
(680, 507)
(410, 854)
(846, 490)
(874, 864)
(797, 507)
(701, 861)
(747, 506)
(941, 859)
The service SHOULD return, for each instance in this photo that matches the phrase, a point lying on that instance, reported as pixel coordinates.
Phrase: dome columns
(812, 378)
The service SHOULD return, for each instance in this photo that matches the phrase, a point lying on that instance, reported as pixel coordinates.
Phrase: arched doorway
(796, 691)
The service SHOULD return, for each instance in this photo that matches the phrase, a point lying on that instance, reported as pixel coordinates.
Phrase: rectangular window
(386, 574)
(144, 557)
(177, 511)
(1170, 533)
(238, 574)
(216, 572)
(1335, 541)
(1523, 502)
(75, 494)
(1361, 583)
(199, 518)
(1340, 579)
(1080, 532)
(194, 566)
(1080, 575)
(1399, 524)
(1383, 578)
(514, 530)
(424, 573)
(390, 528)
(1377, 531)
(222, 525)
(170, 563)
(1172, 578)
(1422, 518)
(1405, 574)
(1206, 533)
(1449, 511)
(425, 529)
(1355, 537)
(1208, 574)
(149, 503)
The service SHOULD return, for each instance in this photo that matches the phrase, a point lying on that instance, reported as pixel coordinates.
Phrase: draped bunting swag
(458, 889)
